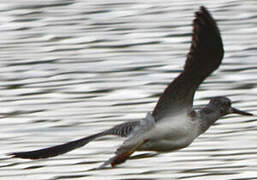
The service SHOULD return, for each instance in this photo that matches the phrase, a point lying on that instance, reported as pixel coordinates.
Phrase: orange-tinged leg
(120, 158)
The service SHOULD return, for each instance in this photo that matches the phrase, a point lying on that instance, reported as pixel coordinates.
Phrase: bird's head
(223, 105)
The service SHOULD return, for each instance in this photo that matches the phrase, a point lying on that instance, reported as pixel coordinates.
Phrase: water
(72, 68)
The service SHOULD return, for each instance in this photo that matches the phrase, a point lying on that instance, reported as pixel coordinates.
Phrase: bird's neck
(208, 116)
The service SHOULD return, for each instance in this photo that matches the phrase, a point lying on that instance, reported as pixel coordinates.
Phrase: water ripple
(73, 68)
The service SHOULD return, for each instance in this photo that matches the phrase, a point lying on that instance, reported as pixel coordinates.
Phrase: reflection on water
(72, 68)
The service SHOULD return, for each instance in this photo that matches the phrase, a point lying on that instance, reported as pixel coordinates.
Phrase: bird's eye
(226, 104)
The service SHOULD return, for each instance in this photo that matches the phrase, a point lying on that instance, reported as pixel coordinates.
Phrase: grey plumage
(205, 55)
(122, 130)
(173, 124)
(216, 108)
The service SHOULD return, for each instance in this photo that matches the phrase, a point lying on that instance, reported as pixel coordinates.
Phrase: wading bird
(173, 124)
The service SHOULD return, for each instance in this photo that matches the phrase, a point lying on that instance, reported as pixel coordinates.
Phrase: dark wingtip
(203, 8)
(203, 11)
(206, 50)
(204, 14)
(55, 150)
(22, 155)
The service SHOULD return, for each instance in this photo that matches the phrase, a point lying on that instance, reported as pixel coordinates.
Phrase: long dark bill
(237, 111)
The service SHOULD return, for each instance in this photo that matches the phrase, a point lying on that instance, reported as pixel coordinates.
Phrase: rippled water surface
(70, 68)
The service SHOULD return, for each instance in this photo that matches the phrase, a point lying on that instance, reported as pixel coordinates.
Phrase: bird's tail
(56, 150)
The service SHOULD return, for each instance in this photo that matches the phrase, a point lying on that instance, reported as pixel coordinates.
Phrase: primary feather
(205, 55)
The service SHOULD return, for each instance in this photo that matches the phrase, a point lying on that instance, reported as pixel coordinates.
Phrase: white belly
(172, 134)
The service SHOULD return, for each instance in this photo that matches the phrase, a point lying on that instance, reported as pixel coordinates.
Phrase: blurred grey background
(70, 68)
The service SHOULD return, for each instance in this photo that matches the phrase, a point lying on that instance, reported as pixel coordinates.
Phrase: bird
(174, 123)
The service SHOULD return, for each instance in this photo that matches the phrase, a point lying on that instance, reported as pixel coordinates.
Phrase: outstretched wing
(122, 130)
(205, 55)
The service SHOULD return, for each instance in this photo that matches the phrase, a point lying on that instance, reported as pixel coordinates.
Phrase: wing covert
(205, 55)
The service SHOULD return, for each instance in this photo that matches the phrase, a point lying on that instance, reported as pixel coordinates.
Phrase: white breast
(172, 133)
